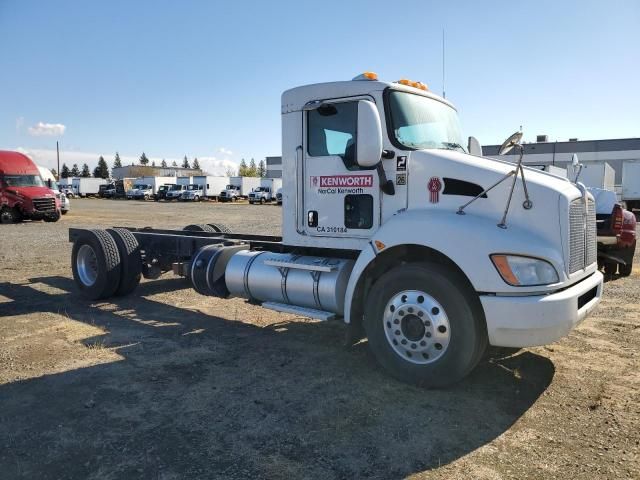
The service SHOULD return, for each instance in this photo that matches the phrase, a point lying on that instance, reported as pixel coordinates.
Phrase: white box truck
(595, 175)
(392, 227)
(238, 188)
(205, 187)
(148, 186)
(87, 186)
(266, 192)
(631, 184)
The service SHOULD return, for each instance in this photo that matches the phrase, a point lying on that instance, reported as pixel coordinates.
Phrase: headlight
(524, 271)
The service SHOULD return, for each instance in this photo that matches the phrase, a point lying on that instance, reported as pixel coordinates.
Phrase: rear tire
(199, 228)
(95, 262)
(425, 325)
(219, 227)
(130, 259)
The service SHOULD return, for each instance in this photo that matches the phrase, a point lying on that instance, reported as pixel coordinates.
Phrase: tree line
(102, 169)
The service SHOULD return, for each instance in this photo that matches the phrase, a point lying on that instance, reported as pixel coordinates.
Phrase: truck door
(340, 198)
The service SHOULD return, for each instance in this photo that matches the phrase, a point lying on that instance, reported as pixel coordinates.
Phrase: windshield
(194, 187)
(176, 187)
(231, 187)
(261, 189)
(138, 186)
(421, 123)
(23, 181)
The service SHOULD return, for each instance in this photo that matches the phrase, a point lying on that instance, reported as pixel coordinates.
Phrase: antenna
(444, 95)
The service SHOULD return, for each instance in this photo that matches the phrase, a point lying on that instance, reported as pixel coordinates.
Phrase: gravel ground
(168, 384)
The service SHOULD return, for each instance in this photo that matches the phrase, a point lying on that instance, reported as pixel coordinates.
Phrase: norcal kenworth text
(425, 247)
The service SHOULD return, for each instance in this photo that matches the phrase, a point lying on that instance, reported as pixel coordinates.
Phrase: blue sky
(204, 78)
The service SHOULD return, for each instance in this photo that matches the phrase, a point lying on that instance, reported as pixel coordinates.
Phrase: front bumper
(526, 321)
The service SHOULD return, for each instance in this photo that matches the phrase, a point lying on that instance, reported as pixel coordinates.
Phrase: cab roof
(16, 163)
(296, 98)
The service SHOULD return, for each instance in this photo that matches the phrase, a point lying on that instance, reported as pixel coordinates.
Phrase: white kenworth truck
(389, 224)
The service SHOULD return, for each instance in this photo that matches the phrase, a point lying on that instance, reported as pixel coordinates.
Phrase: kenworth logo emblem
(342, 181)
(434, 186)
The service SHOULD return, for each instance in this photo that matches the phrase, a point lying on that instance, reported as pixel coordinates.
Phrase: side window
(332, 131)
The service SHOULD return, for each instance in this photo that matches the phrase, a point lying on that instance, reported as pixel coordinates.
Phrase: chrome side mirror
(509, 143)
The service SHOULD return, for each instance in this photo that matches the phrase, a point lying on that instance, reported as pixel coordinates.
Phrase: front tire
(9, 215)
(425, 325)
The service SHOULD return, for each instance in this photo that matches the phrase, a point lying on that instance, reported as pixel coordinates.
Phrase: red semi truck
(23, 194)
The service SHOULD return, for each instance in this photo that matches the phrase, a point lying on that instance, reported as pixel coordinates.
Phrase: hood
(31, 192)
(446, 180)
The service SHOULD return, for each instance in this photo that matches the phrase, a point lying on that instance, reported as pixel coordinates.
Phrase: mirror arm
(386, 185)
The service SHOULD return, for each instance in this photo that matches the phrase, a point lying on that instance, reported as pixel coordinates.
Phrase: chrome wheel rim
(416, 327)
(87, 265)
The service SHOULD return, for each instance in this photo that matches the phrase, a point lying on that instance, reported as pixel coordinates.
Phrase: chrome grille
(592, 241)
(582, 234)
(44, 204)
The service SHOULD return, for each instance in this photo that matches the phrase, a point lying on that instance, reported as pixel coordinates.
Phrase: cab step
(302, 311)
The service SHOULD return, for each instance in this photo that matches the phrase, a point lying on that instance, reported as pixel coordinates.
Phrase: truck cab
(23, 193)
(193, 192)
(260, 195)
(393, 226)
(175, 192)
(231, 193)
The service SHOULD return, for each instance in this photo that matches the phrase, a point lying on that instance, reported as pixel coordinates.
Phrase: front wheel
(9, 215)
(425, 325)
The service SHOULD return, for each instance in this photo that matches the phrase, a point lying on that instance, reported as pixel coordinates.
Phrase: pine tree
(196, 164)
(185, 163)
(164, 163)
(102, 170)
(65, 172)
(243, 170)
(54, 173)
(262, 170)
(153, 163)
(116, 161)
(75, 171)
(143, 159)
(174, 164)
(253, 170)
(85, 171)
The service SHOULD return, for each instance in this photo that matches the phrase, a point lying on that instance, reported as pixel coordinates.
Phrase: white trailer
(239, 187)
(392, 232)
(595, 175)
(87, 186)
(155, 182)
(631, 184)
(266, 192)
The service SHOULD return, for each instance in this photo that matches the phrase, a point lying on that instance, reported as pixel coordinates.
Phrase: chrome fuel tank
(313, 282)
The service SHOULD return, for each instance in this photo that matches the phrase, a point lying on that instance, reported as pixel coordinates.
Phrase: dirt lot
(169, 384)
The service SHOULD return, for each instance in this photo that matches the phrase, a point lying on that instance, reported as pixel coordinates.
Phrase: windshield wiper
(453, 146)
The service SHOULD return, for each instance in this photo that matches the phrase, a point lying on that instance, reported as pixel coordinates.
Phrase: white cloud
(42, 129)
(217, 166)
(225, 151)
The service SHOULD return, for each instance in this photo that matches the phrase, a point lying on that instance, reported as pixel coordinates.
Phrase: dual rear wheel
(106, 262)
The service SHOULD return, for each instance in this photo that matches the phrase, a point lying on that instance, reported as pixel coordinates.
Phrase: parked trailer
(238, 187)
(87, 186)
(266, 192)
(392, 241)
(631, 184)
(595, 175)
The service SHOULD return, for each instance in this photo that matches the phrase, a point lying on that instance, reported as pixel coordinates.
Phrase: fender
(453, 235)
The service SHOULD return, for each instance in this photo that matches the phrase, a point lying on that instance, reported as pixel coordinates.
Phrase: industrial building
(615, 152)
(274, 167)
